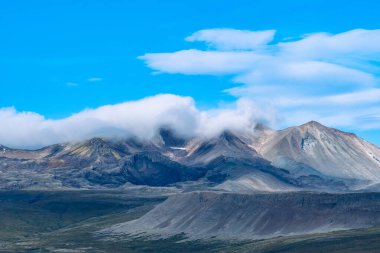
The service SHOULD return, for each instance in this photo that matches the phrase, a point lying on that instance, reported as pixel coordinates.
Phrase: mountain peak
(95, 148)
(97, 142)
(228, 136)
(170, 138)
(313, 123)
(226, 144)
(330, 151)
(314, 126)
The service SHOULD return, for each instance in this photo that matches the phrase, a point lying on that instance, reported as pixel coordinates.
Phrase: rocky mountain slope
(202, 215)
(307, 157)
(322, 150)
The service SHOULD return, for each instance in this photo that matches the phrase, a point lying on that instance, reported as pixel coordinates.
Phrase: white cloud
(319, 76)
(305, 76)
(232, 39)
(364, 97)
(355, 43)
(95, 79)
(330, 78)
(195, 62)
(140, 119)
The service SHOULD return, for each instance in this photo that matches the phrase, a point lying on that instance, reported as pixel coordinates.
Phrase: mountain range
(308, 157)
(266, 183)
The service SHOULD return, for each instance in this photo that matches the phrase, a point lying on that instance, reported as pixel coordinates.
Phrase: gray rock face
(230, 169)
(227, 145)
(255, 216)
(154, 169)
(307, 157)
(325, 150)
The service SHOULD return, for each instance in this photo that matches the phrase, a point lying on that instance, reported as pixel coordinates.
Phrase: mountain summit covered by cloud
(332, 78)
(141, 119)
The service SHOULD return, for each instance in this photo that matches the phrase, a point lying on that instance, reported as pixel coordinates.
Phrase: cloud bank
(333, 78)
(140, 119)
(230, 39)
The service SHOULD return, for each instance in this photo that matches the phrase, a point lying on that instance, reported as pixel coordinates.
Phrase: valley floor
(67, 221)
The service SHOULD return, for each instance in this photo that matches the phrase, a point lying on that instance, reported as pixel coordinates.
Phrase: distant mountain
(226, 144)
(322, 150)
(155, 169)
(308, 157)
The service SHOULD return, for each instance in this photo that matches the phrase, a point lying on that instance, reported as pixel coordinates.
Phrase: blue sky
(58, 58)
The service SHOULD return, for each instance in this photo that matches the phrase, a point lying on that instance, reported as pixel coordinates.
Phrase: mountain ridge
(330, 151)
(306, 157)
(206, 215)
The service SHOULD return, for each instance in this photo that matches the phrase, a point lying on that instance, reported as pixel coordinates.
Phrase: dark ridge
(169, 138)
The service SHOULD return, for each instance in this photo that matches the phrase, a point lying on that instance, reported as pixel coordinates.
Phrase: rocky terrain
(204, 215)
(306, 157)
(263, 184)
(328, 151)
(70, 221)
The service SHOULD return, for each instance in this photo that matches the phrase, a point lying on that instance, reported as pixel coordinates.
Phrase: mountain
(322, 151)
(204, 215)
(309, 157)
(155, 169)
(6, 152)
(226, 144)
(255, 185)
